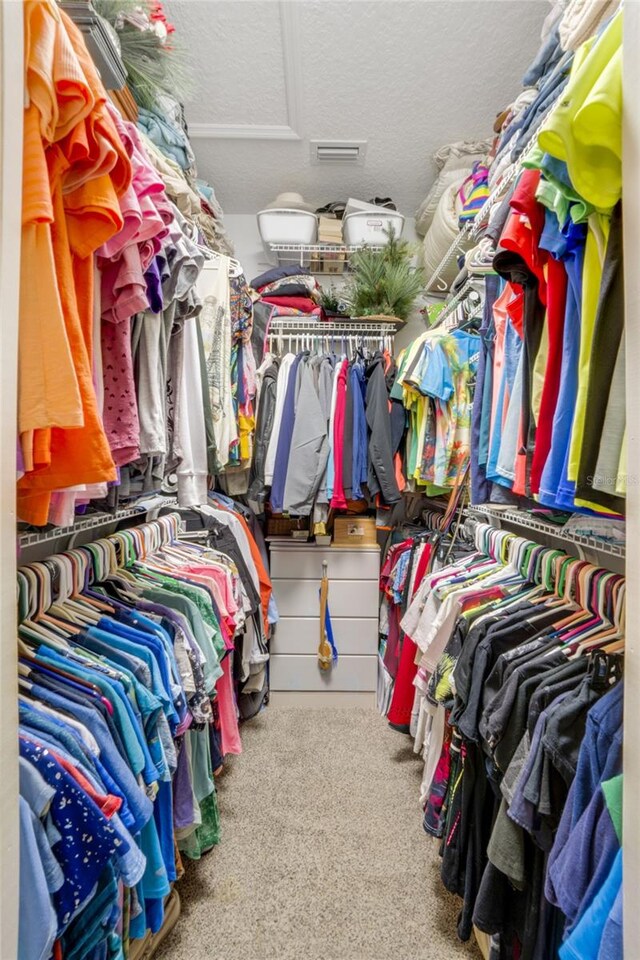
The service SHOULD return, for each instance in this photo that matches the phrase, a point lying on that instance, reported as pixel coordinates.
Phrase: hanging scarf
(327, 651)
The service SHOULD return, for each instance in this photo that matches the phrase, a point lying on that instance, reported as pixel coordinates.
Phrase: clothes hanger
(56, 615)
(603, 628)
(30, 627)
(616, 645)
(70, 606)
(594, 622)
(567, 586)
(217, 260)
(50, 624)
(57, 611)
(80, 563)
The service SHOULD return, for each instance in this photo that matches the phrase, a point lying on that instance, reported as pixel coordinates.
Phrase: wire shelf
(303, 333)
(326, 259)
(447, 316)
(357, 325)
(522, 519)
(455, 247)
(319, 248)
(93, 521)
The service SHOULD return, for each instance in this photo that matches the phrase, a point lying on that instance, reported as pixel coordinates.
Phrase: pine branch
(384, 280)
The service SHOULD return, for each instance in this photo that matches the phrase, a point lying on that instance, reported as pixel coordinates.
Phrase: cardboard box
(329, 230)
(334, 262)
(354, 532)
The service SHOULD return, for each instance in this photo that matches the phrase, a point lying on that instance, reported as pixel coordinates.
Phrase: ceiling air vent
(338, 151)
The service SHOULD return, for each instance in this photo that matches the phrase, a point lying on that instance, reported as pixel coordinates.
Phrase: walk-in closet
(319, 509)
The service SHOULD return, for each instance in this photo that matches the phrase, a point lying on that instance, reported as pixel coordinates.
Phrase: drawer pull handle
(327, 652)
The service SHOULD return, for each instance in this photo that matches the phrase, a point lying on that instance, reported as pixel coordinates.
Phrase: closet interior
(323, 457)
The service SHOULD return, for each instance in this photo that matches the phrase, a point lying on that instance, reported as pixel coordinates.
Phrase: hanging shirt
(585, 128)
(285, 435)
(281, 392)
(215, 323)
(309, 449)
(338, 501)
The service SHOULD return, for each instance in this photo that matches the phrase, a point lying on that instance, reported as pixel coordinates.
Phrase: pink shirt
(230, 734)
(338, 500)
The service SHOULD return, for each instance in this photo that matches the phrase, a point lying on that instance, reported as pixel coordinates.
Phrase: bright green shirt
(585, 128)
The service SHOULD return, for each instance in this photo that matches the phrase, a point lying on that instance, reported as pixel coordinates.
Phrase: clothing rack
(146, 509)
(72, 569)
(62, 575)
(307, 333)
(505, 545)
(594, 636)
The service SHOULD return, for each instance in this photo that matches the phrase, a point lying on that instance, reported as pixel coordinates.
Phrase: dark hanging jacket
(397, 412)
(264, 426)
(381, 473)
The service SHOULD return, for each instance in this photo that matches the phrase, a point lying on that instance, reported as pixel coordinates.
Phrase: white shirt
(192, 470)
(215, 322)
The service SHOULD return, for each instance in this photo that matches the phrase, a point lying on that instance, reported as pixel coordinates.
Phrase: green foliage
(154, 65)
(331, 300)
(111, 9)
(384, 280)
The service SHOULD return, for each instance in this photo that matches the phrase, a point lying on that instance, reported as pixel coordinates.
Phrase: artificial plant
(384, 280)
(154, 61)
(333, 301)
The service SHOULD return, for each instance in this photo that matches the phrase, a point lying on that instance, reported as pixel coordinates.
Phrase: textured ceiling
(404, 75)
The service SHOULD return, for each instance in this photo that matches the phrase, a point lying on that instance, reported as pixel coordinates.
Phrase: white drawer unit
(347, 598)
(355, 636)
(342, 563)
(296, 571)
(302, 673)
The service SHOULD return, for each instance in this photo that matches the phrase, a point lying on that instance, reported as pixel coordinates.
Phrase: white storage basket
(287, 226)
(371, 228)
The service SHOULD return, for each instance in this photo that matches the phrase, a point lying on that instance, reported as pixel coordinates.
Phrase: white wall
(404, 75)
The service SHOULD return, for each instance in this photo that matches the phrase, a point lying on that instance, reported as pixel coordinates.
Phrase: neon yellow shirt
(585, 128)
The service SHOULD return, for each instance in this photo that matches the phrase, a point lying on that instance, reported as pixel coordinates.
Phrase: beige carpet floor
(323, 855)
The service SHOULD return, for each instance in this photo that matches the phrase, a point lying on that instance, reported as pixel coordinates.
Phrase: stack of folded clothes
(291, 290)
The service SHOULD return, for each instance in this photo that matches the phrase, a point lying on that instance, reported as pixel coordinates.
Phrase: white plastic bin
(287, 226)
(362, 206)
(371, 228)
